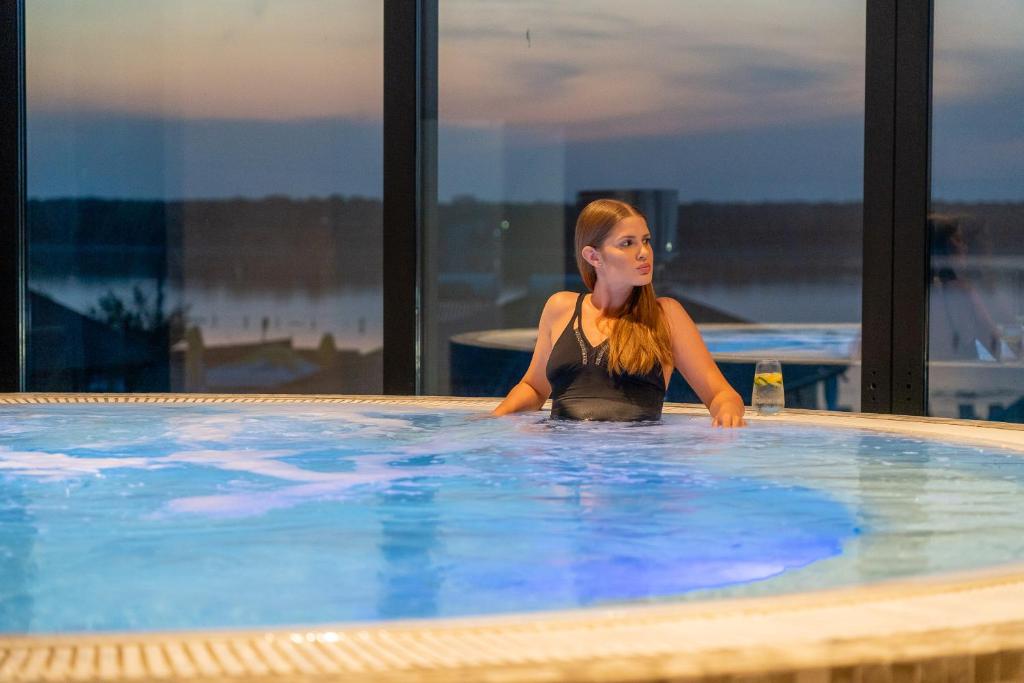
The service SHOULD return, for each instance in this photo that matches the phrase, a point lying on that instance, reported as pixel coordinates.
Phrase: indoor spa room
(500, 341)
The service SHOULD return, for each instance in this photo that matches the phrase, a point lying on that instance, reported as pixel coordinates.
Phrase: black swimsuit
(582, 388)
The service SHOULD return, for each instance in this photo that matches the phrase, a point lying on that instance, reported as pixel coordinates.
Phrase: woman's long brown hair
(640, 336)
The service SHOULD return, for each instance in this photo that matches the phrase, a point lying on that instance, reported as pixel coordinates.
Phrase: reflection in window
(740, 141)
(976, 297)
(204, 186)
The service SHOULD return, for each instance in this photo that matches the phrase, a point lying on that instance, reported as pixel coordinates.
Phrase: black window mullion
(896, 195)
(912, 183)
(410, 115)
(879, 145)
(12, 197)
(428, 297)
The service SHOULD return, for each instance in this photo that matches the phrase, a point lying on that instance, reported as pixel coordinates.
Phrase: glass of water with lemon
(768, 397)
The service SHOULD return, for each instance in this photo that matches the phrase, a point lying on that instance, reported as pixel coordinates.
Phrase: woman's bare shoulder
(563, 300)
(670, 305)
(557, 305)
(675, 314)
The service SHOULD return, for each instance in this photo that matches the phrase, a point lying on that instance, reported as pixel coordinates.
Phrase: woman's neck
(609, 300)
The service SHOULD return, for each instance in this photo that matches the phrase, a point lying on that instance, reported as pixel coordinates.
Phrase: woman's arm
(698, 368)
(533, 389)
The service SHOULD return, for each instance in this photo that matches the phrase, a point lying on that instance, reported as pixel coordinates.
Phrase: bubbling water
(160, 516)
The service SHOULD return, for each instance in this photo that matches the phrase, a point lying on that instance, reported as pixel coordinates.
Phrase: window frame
(897, 151)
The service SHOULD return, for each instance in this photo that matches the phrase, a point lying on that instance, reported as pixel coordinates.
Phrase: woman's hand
(729, 416)
(728, 413)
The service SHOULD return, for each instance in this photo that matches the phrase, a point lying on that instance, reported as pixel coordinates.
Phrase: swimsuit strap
(578, 313)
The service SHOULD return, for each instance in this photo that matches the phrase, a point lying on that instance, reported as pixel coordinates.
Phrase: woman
(609, 355)
(960, 324)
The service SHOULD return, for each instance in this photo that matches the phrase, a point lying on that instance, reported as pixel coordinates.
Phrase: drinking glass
(768, 397)
(1012, 337)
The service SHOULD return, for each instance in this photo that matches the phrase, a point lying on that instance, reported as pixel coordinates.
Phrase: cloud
(979, 72)
(758, 78)
(483, 21)
(544, 79)
(293, 106)
(112, 155)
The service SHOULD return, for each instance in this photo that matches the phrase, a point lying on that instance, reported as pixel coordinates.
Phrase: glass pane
(736, 127)
(204, 183)
(976, 309)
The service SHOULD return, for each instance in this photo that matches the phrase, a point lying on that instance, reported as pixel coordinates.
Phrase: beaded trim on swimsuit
(583, 347)
(577, 324)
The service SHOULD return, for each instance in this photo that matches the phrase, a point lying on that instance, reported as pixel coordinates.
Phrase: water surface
(133, 516)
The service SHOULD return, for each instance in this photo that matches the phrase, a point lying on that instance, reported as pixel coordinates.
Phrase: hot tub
(405, 538)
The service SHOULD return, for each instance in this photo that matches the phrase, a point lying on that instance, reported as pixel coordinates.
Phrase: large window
(204, 183)
(976, 297)
(736, 127)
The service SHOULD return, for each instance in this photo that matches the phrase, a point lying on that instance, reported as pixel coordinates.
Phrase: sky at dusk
(723, 100)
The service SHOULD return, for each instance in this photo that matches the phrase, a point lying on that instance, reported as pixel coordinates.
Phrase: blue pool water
(172, 516)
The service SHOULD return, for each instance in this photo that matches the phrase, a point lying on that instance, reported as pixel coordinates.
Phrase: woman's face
(958, 242)
(626, 256)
